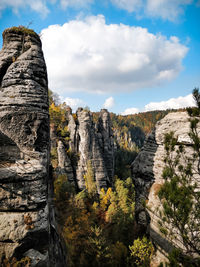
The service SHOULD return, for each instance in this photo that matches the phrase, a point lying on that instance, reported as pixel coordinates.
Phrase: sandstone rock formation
(147, 174)
(24, 148)
(89, 142)
(64, 163)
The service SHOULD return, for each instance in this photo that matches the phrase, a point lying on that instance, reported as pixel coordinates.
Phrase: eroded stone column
(24, 147)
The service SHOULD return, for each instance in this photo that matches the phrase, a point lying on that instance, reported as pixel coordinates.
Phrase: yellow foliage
(95, 205)
(93, 225)
(89, 179)
(141, 251)
(24, 262)
(105, 198)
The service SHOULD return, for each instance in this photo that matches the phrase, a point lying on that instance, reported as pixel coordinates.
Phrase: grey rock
(88, 142)
(72, 126)
(53, 136)
(89, 149)
(24, 148)
(147, 174)
(64, 163)
(37, 259)
(106, 141)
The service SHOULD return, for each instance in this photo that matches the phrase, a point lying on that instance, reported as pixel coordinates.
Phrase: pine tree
(89, 180)
(180, 193)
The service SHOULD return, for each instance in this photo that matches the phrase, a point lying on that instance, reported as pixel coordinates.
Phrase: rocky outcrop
(88, 142)
(147, 174)
(64, 163)
(24, 149)
(105, 138)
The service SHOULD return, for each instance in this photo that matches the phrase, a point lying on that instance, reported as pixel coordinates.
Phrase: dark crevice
(7, 241)
(3, 70)
(42, 136)
(34, 240)
(9, 151)
(18, 179)
(26, 106)
(39, 207)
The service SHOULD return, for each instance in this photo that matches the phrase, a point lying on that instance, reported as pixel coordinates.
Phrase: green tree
(121, 211)
(141, 252)
(180, 194)
(99, 248)
(89, 180)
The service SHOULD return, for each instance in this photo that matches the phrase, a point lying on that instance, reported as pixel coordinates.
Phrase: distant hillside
(145, 120)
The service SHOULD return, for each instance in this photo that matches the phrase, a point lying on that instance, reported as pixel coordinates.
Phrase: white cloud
(129, 111)
(166, 9)
(173, 103)
(89, 55)
(129, 5)
(74, 103)
(109, 103)
(36, 5)
(40, 6)
(75, 3)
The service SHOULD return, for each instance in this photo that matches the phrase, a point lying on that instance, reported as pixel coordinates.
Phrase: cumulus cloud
(36, 5)
(129, 111)
(89, 55)
(109, 103)
(172, 103)
(74, 103)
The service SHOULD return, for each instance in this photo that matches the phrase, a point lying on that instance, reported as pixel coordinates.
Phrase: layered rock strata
(89, 142)
(24, 148)
(147, 174)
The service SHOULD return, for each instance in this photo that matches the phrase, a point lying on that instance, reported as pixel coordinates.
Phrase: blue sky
(126, 55)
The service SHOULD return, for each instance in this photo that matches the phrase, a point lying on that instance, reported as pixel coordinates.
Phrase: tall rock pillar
(24, 148)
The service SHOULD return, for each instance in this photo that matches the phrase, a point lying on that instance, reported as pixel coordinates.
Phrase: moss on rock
(21, 30)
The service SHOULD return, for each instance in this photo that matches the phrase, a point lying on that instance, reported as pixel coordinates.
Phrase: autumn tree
(120, 212)
(89, 180)
(141, 252)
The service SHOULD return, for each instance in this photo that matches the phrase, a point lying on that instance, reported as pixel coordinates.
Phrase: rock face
(147, 172)
(24, 148)
(89, 142)
(64, 163)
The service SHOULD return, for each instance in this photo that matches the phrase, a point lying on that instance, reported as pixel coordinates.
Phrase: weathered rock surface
(88, 142)
(64, 163)
(24, 147)
(106, 141)
(147, 173)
